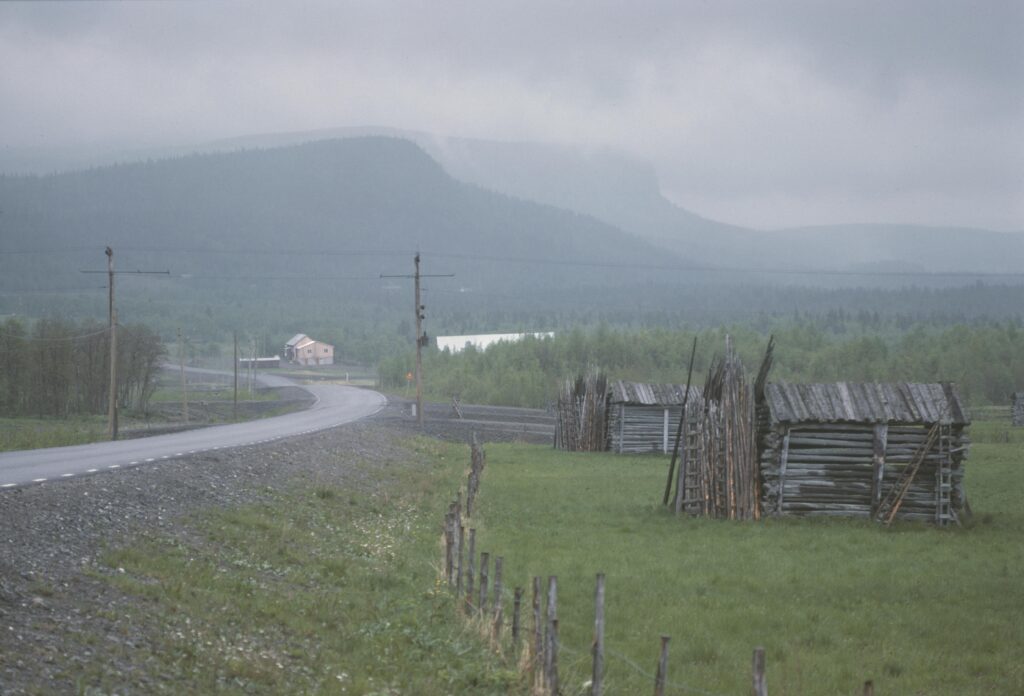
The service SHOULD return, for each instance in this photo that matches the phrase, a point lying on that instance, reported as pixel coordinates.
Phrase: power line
(716, 269)
(541, 261)
(62, 339)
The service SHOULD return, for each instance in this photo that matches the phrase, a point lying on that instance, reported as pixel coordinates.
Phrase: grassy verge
(321, 590)
(916, 609)
(32, 433)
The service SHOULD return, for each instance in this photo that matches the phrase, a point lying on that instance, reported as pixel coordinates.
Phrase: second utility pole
(112, 314)
(421, 337)
(419, 346)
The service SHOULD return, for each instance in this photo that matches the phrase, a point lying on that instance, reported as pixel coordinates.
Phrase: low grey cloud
(764, 114)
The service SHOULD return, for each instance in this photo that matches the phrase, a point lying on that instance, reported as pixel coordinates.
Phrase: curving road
(334, 405)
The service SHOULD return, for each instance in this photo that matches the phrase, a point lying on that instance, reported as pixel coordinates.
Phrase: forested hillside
(269, 243)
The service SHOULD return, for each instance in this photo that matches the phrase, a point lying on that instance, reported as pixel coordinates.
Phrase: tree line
(56, 367)
(985, 361)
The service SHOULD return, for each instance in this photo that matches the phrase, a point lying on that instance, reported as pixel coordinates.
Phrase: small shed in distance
(844, 448)
(1017, 409)
(643, 418)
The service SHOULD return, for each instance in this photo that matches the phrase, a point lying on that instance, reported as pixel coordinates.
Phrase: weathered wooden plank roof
(852, 402)
(644, 394)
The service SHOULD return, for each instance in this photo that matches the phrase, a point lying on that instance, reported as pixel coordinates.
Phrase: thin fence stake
(597, 678)
(662, 675)
(498, 618)
(869, 688)
(760, 686)
(538, 650)
(482, 606)
(449, 551)
(517, 603)
(550, 660)
(553, 670)
(471, 570)
(458, 569)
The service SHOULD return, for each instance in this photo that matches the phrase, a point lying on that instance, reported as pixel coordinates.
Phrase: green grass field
(917, 610)
(323, 590)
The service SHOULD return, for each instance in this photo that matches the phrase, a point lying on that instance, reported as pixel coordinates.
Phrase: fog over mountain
(625, 192)
(760, 115)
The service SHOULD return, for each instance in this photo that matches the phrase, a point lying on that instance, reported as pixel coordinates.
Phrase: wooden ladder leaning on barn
(939, 437)
(944, 512)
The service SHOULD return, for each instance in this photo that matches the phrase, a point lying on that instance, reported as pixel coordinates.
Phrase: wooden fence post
(498, 618)
(482, 606)
(662, 675)
(553, 662)
(470, 571)
(597, 678)
(449, 547)
(760, 685)
(550, 647)
(538, 648)
(869, 688)
(458, 568)
(517, 603)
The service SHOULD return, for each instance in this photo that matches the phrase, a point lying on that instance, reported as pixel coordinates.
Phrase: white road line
(38, 480)
(114, 466)
(91, 471)
(166, 456)
(191, 451)
(66, 475)
(151, 459)
(9, 485)
(133, 463)
(179, 454)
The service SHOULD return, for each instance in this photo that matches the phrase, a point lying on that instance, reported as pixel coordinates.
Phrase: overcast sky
(759, 113)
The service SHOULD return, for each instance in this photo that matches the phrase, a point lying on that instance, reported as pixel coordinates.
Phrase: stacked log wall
(634, 429)
(829, 469)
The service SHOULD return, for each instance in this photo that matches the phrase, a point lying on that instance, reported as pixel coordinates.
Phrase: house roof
(851, 402)
(295, 340)
(309, 342)
(644, 394)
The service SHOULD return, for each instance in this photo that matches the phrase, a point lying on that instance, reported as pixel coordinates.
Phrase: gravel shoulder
(58, 614)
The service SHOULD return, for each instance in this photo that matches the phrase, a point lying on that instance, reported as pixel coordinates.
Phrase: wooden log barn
(643, 418)
(883, 451)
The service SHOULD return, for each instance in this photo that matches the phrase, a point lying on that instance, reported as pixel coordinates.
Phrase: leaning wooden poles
(679, 430)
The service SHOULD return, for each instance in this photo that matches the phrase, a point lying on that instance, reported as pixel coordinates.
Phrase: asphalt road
(334, 405)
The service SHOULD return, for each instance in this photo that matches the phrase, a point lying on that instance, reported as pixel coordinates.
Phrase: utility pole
(421, 336)
(184, 387)
(252, 364)
(234, 410)
(112, 317)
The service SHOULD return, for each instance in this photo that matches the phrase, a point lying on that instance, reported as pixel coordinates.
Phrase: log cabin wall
(840, 449)
(643, 418)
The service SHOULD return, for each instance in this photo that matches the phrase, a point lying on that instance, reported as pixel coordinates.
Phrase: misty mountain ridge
(372, 195)
(625, 192)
